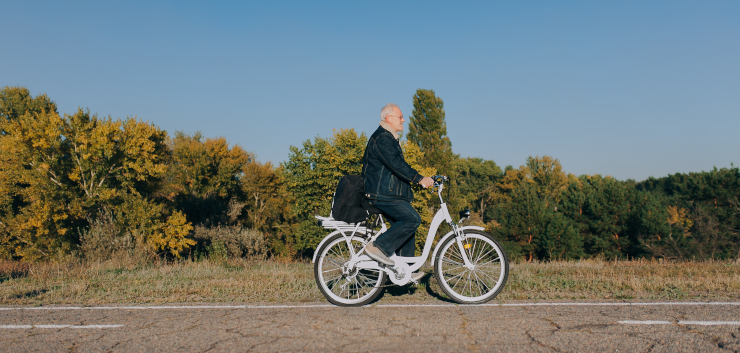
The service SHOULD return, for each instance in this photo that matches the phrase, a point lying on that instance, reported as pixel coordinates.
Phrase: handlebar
(439, 180)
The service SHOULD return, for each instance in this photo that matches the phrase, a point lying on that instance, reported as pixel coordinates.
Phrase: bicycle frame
(409, 264)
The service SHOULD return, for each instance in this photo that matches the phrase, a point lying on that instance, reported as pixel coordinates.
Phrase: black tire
(327, 262)
(479, 285)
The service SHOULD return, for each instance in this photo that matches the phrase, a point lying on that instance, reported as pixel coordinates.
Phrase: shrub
(13, 269)
(103, 239)
(238, 241)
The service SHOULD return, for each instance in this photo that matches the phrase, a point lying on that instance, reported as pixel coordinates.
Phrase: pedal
(393, 269)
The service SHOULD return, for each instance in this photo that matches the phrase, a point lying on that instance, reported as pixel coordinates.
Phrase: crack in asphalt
(472, 346)
(540, 343)
(552, 323)
(689, 330)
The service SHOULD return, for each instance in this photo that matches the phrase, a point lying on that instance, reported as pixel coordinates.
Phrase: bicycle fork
(459, 237)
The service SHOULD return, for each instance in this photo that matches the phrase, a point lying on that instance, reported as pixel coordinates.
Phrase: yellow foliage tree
(423, 198)
(678, 217)
(173, 236)
(264, 189)
(58, 172)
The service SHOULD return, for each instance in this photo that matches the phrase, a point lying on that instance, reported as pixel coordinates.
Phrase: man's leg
(400, 238)
(408, 249)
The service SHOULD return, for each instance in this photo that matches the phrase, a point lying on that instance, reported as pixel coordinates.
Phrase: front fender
(442, 240)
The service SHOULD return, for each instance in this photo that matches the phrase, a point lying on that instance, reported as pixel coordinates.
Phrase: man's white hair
(388, 110)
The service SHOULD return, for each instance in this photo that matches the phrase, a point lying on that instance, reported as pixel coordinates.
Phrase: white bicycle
(469, 264)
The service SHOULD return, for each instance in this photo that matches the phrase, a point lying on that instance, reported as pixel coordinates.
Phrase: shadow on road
(425, 282)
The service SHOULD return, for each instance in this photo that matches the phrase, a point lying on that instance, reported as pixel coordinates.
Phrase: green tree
(203, 176)
(477, 180)
(428, 130)
(711, 199)
(312, 174)
(533, 229)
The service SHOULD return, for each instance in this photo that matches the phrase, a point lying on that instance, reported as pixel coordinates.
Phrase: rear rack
(331, 223)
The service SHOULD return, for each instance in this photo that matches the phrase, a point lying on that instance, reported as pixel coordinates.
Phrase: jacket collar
(389, 128)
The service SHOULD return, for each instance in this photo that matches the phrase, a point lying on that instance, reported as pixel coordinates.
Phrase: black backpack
(348, 200)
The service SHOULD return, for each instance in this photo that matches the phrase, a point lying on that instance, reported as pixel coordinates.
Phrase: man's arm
(393, 160)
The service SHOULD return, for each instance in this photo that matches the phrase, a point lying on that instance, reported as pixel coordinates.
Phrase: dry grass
(130, 281)
(599, 279)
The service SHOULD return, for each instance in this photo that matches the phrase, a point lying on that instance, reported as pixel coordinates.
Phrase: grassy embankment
(126, 281)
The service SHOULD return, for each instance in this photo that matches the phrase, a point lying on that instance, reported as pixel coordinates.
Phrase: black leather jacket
(387, 175)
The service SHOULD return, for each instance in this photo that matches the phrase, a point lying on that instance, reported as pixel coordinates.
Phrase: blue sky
(624, 88)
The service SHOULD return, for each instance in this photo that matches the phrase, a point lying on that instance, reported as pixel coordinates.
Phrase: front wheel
(478, 282)
(340, 284)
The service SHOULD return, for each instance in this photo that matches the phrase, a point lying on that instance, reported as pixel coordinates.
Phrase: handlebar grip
(442, 178)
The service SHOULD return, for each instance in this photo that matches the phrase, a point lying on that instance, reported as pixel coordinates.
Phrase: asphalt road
(429, 327)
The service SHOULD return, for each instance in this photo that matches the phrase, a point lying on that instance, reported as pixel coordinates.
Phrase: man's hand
(426, 182)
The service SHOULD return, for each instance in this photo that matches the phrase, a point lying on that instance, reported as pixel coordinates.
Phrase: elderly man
(388, 181)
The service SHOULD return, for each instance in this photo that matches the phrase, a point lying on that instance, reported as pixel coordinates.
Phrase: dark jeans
(404, 219)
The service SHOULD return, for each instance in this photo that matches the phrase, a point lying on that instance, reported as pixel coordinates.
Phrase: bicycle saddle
(371, 210)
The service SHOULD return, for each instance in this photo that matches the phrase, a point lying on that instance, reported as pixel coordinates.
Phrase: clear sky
(624, 88)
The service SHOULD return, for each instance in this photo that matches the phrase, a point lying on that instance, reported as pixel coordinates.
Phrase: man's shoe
(416, 277)
(374, 253)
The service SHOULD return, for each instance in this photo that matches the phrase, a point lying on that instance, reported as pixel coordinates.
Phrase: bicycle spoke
(368, 280)
(464, 284)
(454, 268)
(478, 250)
(469, 283)
(472, 248)
(488, 262)
(460, 277)
(333, 278)
(336, 269)
(488, 289)
(340, 250)
(336, 262)
(481, 256)
(334, 252)
(334, 285)
(495, 280)
(452, 261)
(458, 255)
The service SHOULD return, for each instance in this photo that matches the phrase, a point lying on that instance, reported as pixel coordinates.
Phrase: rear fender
(318, 247)
(442, 240)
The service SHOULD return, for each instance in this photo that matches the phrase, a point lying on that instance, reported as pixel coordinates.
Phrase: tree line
(91, 186)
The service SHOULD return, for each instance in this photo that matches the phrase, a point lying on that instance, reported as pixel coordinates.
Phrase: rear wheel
(483, 279)
(340, 284)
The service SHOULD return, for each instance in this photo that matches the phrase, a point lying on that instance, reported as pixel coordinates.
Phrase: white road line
(412, 305)
(57, 326)
(613, 304)
(291, 306)
(703, 323)
(200, 307)
(709, 323)
(130, 307)
(646, 322)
